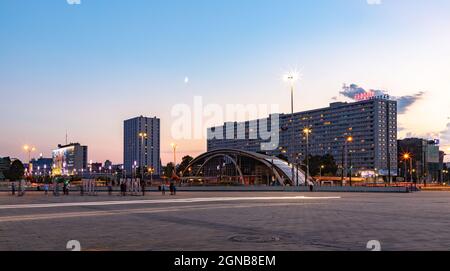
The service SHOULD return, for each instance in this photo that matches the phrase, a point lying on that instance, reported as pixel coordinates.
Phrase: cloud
(74, 2)
(404, 102)
(445, 135)
(374, 2)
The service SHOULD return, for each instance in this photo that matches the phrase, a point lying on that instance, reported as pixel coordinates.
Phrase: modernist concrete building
(237, 167)
(371, 123)
(141, 146)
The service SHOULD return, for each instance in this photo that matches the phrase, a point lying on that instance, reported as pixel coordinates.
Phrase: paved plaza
(227, 221)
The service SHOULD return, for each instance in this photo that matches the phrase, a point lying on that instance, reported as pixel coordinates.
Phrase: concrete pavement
(227, 221)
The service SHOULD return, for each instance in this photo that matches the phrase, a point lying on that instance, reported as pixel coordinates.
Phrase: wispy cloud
(445, 135)
(404, 102)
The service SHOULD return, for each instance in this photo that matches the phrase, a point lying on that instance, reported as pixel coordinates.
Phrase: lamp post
(407, 157)
(151, 170)
(292, 78)
(322, 167)
(143, 136)
(134, 167)
(347, 143)
(307, 132)
(174, 147)
(29, 150)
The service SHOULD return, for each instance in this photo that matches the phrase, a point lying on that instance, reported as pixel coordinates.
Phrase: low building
(420, 159)
(241, 168)
(41, 166)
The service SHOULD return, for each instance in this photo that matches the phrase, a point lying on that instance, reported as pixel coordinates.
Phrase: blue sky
(84, 68)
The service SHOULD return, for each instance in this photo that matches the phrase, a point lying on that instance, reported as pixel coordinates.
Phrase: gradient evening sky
(85, 68)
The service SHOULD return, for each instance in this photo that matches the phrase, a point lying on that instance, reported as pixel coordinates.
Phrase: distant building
(41, 165)
(142, 144)
(96, 167)
(70, 159)
(426, 159)
(372, 124)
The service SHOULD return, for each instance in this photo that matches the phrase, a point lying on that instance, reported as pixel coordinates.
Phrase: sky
(82, 69)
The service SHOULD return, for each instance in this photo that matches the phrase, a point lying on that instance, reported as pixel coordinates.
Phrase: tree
(168, 170)
(184, 163)
(325, 164)
(16, 171)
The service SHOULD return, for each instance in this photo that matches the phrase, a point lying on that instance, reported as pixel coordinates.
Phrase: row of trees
(170, 168)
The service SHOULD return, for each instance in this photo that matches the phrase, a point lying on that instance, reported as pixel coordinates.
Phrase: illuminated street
(227, 221)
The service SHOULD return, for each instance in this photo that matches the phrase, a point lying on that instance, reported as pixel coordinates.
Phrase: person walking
(82, 189)
(46, 189)
(110, 189)
(171, 188)
(163, 188)
(13, 188)
(123, 188)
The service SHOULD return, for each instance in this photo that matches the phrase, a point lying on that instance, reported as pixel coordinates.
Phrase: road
(227, 221)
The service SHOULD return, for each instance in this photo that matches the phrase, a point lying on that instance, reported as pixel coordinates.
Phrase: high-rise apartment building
(142, 144)
(371, 123)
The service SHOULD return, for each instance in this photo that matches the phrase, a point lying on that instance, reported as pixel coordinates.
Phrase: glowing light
(291, 77)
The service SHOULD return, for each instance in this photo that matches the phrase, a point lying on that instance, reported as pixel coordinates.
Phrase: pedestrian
(143, 188)
(13, 188)
(65, 189)
(56, 189)
(122, 188)
(174, 190)
(163, 189)
(110, 189)
(21, 188)
(171, 188)
(46, 189)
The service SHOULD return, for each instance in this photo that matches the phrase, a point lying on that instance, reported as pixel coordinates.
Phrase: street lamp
(151, 170)
(143, 136)
(291, 78)
(347, 143)
(307, 132)
(174, 147)
(406, 157)
(29, 150)
(322, 167)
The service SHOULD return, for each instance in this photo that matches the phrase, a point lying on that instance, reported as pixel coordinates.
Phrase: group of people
(127, 187)
(132, 186)
(172, 189)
